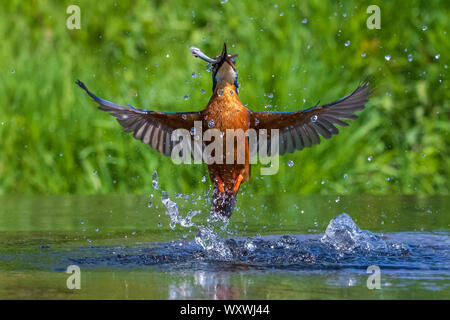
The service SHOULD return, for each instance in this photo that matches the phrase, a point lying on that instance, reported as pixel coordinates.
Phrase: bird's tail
(223, 204)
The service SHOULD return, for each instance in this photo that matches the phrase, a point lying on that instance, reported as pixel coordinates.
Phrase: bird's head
(222, 66)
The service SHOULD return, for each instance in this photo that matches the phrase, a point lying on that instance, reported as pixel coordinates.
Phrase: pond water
(274, 247)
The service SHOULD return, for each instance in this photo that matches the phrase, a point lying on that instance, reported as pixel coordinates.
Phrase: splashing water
(174, 215)
(342, 245)
(155, 180)
(345, 236)
(213, 245)
(342, 237)
(207, 236)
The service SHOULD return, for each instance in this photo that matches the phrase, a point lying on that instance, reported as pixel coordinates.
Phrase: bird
(297, 129)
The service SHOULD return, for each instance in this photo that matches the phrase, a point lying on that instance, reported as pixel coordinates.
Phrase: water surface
(274, 247)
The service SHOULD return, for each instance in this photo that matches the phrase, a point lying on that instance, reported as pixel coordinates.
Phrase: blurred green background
(54, 140)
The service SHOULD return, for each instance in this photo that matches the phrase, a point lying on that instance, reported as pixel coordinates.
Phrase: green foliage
(54, 140)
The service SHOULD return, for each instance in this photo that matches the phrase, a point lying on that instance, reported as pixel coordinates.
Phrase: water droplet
(387, 57)
(270, 95)
(424, 28)
(363, 55)
(211, 123)
(370, 158)
(172, 209)
(186, 97)
(347, 43)
(305, 21)
(184, 117)
(202, 91)
(250, 246)
(345, 176)
(437, 56)
(194, 75)
(203, 179)
(192, 131)
(97, 229)
(155, 180)
(410, 58)
(290, 163)
(167, 56)
(13, 71)
(95, 172)
(314, 118)
(150, 199)
(223, 1)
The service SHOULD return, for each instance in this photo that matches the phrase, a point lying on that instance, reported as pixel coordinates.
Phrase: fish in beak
(217, 61)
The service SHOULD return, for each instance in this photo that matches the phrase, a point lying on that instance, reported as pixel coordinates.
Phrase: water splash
(215, 247)
(345, 236)
(342, 238)
(208, 235)
(155, 180)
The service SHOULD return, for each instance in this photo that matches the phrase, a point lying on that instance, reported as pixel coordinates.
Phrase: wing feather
(302, 129)
(151, 127)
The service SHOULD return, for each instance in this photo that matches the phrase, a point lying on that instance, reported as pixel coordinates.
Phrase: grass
(53, 140)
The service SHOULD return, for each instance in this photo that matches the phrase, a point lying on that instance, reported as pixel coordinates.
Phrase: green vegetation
(54, 140)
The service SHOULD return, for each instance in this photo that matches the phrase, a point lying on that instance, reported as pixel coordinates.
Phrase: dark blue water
(343, 246)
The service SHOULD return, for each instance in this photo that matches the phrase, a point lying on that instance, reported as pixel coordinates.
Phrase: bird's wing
(302, 129)
(151, 127)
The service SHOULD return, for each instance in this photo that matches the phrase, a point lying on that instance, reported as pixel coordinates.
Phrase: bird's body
(225, 112)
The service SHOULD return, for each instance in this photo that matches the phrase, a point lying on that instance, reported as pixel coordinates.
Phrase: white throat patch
(226, 73)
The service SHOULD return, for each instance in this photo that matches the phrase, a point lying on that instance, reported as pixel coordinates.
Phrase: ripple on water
(344, 245)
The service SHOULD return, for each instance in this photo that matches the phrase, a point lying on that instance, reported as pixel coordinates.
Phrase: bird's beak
(224, 51)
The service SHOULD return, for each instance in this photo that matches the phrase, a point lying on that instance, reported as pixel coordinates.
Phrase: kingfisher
(297, 130)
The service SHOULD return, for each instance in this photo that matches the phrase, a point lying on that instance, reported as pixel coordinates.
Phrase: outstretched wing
(151, 127)
(302, 129)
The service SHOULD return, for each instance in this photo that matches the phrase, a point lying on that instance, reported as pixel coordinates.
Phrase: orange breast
(225, 111)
